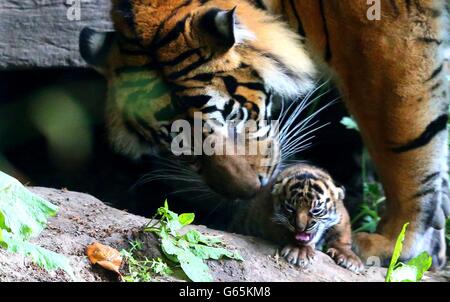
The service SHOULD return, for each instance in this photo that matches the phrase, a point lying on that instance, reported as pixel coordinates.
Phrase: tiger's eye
(316, 211)
(289, 208)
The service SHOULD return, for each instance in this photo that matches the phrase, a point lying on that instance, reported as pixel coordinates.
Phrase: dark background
(52, 134)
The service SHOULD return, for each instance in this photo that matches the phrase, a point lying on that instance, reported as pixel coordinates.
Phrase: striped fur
(219, 58)
(391, 75)
(302, 209)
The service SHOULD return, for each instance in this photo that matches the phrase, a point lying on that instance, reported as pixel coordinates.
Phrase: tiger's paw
(346, 258)
(378, 249)
(373, 246)
(299, 255)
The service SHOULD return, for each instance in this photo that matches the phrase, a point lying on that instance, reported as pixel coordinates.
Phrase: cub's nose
(301, 222)
(263, 179)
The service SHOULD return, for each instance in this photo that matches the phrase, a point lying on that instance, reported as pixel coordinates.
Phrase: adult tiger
(219, 58)
(389, 72)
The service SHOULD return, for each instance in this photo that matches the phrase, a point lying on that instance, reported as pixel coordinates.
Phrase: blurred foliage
(56, 107)
(65, 125)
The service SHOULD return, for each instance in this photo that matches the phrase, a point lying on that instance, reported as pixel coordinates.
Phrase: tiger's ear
(276, 189)
(224, 28)
(341, 193)
(95, 46)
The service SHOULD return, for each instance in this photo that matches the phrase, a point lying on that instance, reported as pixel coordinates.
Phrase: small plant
(188, 250)
(143, 270)
(373, 198)
(368, 218)
(413, 270)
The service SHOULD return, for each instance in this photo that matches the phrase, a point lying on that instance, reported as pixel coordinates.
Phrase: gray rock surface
(44, 33)
(83, 219)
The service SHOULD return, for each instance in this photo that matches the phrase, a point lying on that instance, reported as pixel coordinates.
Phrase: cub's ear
(95, 46)
(277, 188)
(341, 193)
(223, 26)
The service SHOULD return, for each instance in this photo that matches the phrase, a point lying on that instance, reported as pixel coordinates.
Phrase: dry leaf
(105, 256)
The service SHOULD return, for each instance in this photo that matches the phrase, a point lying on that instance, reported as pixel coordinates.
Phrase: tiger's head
(305, 202)
(170, 59)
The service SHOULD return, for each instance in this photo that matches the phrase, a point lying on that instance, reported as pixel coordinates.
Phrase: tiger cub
(301, 209)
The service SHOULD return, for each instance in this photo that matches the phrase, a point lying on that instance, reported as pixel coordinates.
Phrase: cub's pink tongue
(303, 237)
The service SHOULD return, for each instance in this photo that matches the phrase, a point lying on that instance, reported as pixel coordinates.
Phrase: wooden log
(44, 33)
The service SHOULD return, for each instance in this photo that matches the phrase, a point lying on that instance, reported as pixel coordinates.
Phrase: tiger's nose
(301, 222)
(263, 180)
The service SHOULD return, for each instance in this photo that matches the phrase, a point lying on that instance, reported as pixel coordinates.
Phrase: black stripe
(132, 129)
(436, 72)
(285, 69)
(419, 7)
(424, 192)
(259, 4)
(429, 40)
(188, 69)
(317, 188)
(203, 77)
(408, 5)
(328, 54)
(436, 86)
(430, 132)
(231, 84)
(180, 58)
(300, 29)
(132, 52)
(228, 108)
(163, 23)
(172, 35)
(209, 109)
(197, 101)
(125, 9)
(394, 7)
(430, 177)
(306, 175)
(241, 99)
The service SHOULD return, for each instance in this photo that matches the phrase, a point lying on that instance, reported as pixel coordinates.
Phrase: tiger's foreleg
(390, 72)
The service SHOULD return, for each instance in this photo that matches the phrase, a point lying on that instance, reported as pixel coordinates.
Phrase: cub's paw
(346, 258)
(299, 255)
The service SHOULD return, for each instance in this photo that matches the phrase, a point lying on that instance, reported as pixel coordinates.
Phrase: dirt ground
(83, 219)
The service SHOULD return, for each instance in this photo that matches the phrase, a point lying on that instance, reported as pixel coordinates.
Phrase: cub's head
(305, 202)
(226, 59)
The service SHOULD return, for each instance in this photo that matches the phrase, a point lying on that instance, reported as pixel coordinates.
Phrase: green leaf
(194, 267)
(404, 273)
(216, 253)
(188, 250)
(21, 212)
(158, 266)
(194, 236)
(44, 258)
(422, 263)
(349, 123)
(397, 252)
(170, 249)
(186, 219)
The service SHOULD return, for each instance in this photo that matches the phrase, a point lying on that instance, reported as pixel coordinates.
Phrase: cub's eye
(316, 211)
(312, 223)
(289, 208)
